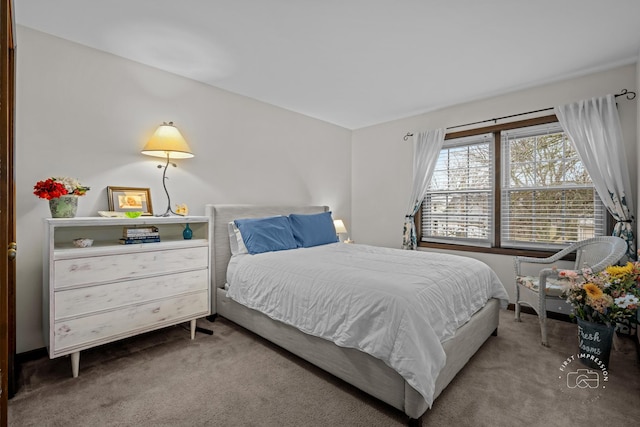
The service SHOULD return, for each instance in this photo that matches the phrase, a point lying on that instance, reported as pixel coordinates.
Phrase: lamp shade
(339, 225)
(167, 142)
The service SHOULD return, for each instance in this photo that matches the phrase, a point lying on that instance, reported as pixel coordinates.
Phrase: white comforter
(396, 305)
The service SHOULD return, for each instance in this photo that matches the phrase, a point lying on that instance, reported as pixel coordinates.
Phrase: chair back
(599, 252)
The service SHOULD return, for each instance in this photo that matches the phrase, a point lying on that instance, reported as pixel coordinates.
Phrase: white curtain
(426, 149)
(594, 127)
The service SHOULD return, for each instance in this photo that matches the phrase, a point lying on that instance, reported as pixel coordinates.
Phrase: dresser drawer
(91, 299)
(88, 331)
(118, 267)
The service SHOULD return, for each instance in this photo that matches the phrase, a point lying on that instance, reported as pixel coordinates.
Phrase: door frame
(7, 208)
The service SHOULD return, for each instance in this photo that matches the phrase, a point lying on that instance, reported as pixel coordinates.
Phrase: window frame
(496, 248)
(471, 141)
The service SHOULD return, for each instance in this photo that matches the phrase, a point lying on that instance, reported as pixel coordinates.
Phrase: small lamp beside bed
(341, 229)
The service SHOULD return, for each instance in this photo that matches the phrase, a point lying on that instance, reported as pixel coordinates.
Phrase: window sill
(497, 251)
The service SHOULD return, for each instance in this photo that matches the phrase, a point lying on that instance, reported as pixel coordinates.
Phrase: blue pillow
(314, 229)
(266, 234)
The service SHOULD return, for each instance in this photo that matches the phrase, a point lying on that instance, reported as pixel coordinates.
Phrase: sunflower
(619, 272)
(593, 291)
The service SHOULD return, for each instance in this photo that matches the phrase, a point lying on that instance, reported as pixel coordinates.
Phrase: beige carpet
(235, 378)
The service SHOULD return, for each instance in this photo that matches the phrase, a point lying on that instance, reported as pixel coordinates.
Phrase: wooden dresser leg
(75, 363)
(193, 328)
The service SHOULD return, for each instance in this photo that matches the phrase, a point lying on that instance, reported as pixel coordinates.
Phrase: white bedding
(396, 305)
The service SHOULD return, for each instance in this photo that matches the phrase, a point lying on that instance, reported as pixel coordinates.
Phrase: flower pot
(594, 344)
(64, 206)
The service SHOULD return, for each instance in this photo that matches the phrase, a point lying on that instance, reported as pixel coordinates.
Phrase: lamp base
(169, 212)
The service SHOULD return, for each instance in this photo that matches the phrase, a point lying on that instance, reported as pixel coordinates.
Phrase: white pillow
(235, 240)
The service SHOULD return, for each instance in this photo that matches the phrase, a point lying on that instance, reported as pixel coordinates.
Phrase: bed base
(359, 369)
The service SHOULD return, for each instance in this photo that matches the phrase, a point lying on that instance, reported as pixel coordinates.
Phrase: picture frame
(130, 199)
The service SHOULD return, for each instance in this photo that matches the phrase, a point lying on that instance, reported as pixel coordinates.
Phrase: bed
(346, 361)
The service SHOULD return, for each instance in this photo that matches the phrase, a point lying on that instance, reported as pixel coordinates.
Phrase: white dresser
(109, 291)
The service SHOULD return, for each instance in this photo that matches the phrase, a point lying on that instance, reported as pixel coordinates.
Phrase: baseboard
(550, 314)
(30, 355)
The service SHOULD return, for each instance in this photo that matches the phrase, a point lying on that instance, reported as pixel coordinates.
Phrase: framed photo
(130, 199)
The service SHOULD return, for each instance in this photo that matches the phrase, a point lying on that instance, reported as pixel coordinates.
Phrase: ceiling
(354, 63)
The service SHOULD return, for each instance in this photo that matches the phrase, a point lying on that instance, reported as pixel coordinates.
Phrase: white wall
(87, 114)
(381, 159)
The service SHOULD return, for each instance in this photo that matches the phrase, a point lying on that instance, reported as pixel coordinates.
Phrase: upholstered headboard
(221, 215)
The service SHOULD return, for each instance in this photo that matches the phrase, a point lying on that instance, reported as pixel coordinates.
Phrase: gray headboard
(221, 215)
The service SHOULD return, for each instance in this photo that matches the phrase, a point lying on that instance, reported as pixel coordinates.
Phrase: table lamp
(167, 142)
(340, 228)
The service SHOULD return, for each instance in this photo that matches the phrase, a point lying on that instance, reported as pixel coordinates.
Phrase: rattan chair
(596, 253)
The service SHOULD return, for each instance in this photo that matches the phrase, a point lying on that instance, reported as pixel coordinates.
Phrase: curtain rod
(630, 95)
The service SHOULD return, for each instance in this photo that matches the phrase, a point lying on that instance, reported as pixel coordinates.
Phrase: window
(519, 186)
(548, 198)
(458, 204)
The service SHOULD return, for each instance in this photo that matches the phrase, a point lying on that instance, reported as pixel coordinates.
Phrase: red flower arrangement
(49, 189)
(52, 188)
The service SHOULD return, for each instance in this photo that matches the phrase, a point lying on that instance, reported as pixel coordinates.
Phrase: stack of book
(146, 234)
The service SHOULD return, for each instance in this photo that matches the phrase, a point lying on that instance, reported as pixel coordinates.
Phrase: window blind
(548, 198)
(458, 203)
